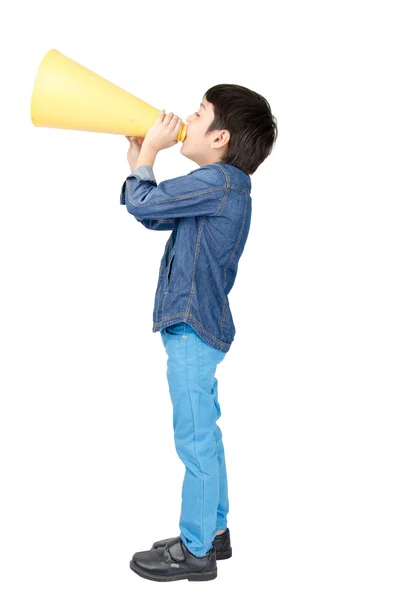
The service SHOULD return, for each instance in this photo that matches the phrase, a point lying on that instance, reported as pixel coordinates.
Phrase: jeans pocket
(208, 358)
(176, 330)
(163, 337)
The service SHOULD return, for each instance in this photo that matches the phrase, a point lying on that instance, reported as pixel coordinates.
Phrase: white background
(89, 472)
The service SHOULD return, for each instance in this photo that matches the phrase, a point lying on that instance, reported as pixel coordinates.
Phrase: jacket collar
(244, 180)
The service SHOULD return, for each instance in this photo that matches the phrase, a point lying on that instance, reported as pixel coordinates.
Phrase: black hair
(248, 118)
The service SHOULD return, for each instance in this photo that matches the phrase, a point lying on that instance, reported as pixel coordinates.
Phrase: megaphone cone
(66, 95)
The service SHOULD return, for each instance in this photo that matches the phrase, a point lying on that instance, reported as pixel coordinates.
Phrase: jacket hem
(207, 338)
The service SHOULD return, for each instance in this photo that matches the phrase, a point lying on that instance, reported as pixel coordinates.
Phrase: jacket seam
(237, 243)
(229, 262)
(222, 205)
(191, 195)
(197, 250)
(228, 184)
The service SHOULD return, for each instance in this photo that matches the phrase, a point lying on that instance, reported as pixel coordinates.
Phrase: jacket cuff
(142, 173)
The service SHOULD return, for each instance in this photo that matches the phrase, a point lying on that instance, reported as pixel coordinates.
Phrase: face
(200, 147)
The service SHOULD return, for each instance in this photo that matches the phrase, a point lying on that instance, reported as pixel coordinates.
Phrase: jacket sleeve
(157, 224)
(198, 193)
(145, 173)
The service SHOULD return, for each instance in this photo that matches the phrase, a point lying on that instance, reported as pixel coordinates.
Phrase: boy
(209, 213)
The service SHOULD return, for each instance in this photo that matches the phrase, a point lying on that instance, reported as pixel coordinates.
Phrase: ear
(222, 138)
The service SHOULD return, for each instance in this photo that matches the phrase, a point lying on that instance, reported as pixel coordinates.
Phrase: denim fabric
(209, 213)
(191, 367)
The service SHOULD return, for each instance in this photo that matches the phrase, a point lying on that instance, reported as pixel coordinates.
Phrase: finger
(178, 123)
(168, 118)
(160, 115)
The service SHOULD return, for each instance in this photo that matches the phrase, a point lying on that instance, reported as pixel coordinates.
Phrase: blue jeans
(191, 367)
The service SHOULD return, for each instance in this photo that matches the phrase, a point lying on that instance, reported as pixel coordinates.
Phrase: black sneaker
(172, 562)
(221, 544)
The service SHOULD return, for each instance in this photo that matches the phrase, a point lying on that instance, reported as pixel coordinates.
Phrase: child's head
(233, 125)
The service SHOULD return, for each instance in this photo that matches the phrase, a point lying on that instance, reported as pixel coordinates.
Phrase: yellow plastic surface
(66, 95)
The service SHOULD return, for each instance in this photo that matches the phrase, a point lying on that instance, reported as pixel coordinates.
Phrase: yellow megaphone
(66, 95)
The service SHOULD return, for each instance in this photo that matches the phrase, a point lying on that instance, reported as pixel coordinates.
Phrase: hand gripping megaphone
(66, 95)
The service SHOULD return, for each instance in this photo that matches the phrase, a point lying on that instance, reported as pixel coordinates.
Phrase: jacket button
(184, 337)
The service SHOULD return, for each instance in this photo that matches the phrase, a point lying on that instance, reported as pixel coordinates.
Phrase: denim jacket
(209, 213)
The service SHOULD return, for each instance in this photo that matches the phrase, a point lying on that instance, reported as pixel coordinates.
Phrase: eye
(197, 114)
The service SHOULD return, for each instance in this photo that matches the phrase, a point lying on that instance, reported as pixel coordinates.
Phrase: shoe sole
(206, 576)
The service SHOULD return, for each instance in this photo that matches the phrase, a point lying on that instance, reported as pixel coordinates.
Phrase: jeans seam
(194, 446)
